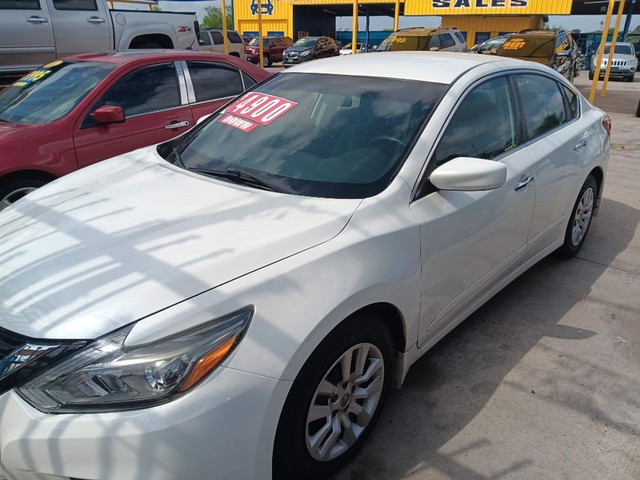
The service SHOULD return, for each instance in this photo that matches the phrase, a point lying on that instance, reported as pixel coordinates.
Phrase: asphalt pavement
(543, 382)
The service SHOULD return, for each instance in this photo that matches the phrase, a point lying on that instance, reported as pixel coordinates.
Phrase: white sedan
(360, 48)
(236, 303)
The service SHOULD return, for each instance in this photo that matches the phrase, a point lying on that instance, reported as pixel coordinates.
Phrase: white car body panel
(145, 251)
(305, 264)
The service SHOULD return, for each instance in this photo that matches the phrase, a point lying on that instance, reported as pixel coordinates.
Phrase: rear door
(26, 35)
(81, 26)
(210, 85)
(154, 100)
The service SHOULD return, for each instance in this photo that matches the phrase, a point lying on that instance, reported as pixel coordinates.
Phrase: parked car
(430, 39)
(491, 46)
(310, 48)
(35, 32)
(272, 49)
(212, 40)
(623, 65)
(554, 48)
(90, 107)
(241, 299)
(360, 48)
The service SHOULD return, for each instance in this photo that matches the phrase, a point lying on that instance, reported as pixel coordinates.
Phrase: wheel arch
(26, 175)
(164, 41)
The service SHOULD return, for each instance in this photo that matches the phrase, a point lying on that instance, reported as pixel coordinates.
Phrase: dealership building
(478, 20)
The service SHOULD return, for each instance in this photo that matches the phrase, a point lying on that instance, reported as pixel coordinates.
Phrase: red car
(82, 109)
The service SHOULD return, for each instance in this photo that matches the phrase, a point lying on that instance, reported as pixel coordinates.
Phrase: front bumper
(615, 71)
(224, 429)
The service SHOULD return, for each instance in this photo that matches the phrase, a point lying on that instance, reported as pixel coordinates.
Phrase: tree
(213, 17)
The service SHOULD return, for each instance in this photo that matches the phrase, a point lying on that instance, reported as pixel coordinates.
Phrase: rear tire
(335, 401)
(14, 191)
(580, 219)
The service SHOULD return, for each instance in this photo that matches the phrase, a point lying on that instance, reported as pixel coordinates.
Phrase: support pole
(603, 41)
(260, 46)
(366, 33)
(396, 16)
(223, 17)
(627, 21)
(612, 49)
(354, 27)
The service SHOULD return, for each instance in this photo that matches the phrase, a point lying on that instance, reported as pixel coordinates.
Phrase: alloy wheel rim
(582, 217)
(15, 196)
(344, 402)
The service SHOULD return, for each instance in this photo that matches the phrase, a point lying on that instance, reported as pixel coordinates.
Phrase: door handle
(37, 20)
(95, 20)
(581, 143)
(175, 126)
(524, 181)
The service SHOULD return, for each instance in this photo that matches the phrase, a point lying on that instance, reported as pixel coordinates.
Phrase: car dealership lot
(544, 381)
(554, 364)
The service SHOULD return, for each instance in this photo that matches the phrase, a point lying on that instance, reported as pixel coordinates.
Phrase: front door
(472, 240)
(154, 108)
(26, 35)
(81, 26)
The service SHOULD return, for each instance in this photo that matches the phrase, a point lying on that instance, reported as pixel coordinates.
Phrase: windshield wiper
(234, 176)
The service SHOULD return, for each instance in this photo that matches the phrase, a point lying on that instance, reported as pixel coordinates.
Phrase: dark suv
(554, 48)
(272, 49)
(309, 48)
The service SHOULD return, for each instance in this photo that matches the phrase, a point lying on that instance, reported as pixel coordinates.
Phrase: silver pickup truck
(34, 32)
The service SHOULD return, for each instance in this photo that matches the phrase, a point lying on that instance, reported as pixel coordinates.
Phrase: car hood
(16, 132)
(133, 235)
(299, 49)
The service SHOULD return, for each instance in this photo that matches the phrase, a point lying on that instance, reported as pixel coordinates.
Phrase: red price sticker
(260, 108)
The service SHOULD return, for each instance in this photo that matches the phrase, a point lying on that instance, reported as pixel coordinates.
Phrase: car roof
(142, 56)
(437, 67)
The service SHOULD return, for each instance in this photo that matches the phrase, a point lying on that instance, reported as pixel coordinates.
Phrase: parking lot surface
(543, 382)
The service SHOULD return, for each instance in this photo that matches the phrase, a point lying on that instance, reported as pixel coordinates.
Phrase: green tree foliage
(213, 17)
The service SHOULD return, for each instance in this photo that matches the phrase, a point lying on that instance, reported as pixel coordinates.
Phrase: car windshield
(621, 49)
(407, 42)
(51, 92)
(306, 42)
(531, 47)
(254, 42)
(318, 135)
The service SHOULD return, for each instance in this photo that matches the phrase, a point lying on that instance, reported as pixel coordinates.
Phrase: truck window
(217, 38)
(234, 37)
(203, 39)
(75, 5)
(19, 5)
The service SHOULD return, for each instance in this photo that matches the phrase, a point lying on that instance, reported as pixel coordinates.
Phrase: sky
(586, 23)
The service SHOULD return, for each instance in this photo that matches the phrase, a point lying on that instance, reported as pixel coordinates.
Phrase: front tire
(335, 401)
(266, 61)
(580, 219)
(14, 191)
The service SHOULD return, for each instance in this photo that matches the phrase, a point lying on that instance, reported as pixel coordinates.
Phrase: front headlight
(107, 376)
(305, 53)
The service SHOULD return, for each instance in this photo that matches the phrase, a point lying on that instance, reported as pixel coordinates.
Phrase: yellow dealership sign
(487, 7)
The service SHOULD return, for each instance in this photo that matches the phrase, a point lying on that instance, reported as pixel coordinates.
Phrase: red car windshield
(50, 92)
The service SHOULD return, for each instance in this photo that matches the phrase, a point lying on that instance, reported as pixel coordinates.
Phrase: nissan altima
(236, 303)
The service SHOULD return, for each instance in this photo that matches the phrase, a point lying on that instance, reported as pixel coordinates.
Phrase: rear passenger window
(75, 5)
(217, 38)
(214, 80)
(234, 37)
(542, 104)
(572, 101)
(483, 126)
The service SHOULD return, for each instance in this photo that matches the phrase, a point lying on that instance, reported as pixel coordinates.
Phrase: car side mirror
(109, 114)
(434, 49)
(469, 174)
